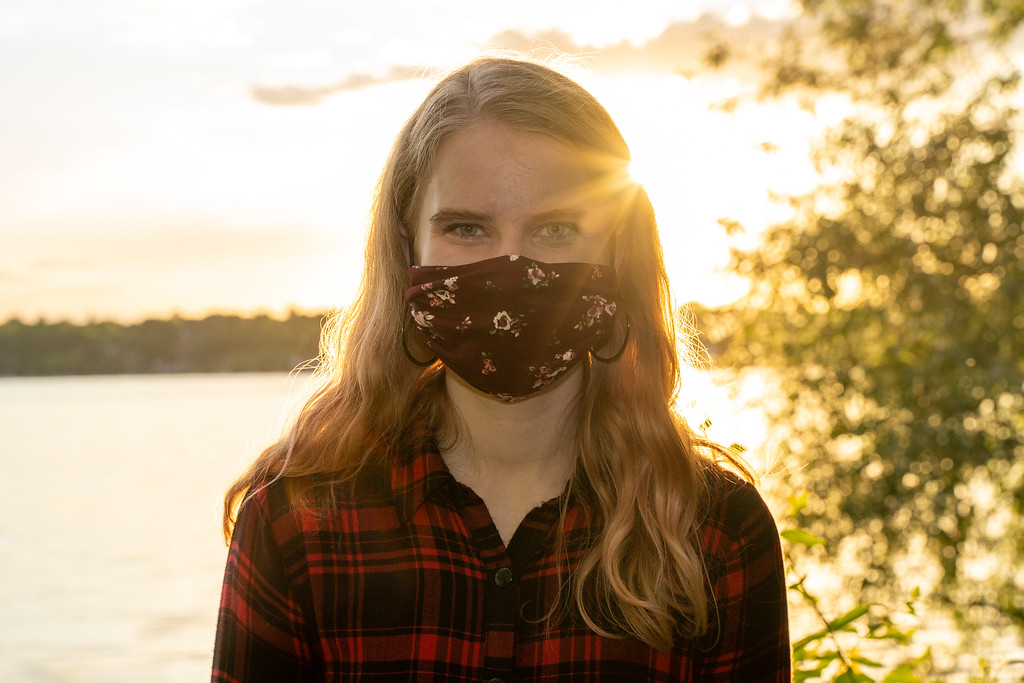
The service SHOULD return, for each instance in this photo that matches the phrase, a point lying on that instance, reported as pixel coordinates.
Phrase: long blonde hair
(639, 470)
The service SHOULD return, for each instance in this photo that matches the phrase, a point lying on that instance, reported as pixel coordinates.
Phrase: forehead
(493, 160)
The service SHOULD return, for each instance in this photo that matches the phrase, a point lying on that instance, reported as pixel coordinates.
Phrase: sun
(666, 123)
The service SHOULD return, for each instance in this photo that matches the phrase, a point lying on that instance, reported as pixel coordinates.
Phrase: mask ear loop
(618, 353)
(625, 340)
(405, 344)
(408, 354)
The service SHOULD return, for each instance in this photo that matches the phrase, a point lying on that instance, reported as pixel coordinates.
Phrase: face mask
(510, 326)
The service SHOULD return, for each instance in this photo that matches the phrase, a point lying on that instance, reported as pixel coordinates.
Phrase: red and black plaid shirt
(408, 580)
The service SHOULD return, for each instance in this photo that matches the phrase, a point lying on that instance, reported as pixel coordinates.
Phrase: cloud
(297, 95)
(683, 47)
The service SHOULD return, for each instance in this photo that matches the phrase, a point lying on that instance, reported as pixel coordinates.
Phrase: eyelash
(457, 229)
(568, 229)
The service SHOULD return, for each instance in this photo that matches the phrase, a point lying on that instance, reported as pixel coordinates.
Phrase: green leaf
(851, 676)
(801, 537)
(807, 640)
(904, 673)
(808, 674)
(854, 614)
(797, 503)
(866, 662)
(926, 656)
(889, 631)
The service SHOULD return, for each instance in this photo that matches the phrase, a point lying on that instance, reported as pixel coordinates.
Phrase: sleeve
(261, 629)
(749, 640)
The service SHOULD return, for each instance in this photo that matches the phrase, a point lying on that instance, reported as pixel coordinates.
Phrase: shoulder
(266, 515)
(742, 554)
(732, 497)
(289, 505)
(737, 519)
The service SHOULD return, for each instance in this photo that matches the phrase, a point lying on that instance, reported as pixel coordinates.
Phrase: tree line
(218, 343)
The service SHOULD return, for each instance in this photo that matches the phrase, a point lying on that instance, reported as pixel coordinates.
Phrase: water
(110, 504)
(110, 519)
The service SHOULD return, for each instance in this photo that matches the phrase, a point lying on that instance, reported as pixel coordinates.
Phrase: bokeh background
(183, 194)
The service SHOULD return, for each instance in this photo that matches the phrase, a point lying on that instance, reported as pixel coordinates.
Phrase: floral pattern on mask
(510, 326)
(537, 277)
(442, 295)
(505, 322)
(598, 307)
(548, 373)
(422, 319)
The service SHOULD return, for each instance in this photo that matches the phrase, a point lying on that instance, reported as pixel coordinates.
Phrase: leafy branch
(826, 654)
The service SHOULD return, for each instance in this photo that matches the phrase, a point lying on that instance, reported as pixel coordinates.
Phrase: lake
(110, 508)
(110, 519)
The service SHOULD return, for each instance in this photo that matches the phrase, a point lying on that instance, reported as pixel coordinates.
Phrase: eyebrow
(449, 215)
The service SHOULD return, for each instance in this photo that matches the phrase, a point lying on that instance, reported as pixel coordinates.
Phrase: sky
(186, 157)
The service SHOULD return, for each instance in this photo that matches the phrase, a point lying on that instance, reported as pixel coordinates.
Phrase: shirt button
(503, 577)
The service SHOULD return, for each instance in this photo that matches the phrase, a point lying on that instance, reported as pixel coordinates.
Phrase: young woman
(491, 482)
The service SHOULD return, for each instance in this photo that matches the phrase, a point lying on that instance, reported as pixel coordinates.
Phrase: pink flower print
(537, 277)
(488, 367)
(440, 297)
(545, 375)
(503, 321)
(598, 307)
(443, 295)
(513, 257)
(464, 325)
(596, 273)
(422, 318)
(567, 356)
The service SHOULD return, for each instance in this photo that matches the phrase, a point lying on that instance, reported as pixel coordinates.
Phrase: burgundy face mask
(510, 326)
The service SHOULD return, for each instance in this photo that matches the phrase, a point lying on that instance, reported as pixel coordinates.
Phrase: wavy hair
(639, 471)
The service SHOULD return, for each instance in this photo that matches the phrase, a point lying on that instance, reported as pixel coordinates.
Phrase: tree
(891, 304)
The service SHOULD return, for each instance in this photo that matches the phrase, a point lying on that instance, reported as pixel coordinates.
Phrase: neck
(517, 455)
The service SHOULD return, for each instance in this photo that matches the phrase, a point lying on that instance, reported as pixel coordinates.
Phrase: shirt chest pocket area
(428, 597)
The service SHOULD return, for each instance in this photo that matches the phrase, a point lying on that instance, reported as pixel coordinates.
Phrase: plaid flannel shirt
(408, 580)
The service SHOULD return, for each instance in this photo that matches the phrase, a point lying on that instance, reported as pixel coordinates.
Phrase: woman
(491, 483)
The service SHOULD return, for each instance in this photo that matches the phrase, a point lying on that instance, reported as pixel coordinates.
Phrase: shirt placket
(504, 568)
(500, 592)
(501, 600)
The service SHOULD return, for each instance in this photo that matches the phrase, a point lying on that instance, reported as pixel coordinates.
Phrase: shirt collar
(418, 474)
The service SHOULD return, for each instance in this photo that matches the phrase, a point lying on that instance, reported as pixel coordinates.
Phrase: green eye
(464, 230)
(558, 231)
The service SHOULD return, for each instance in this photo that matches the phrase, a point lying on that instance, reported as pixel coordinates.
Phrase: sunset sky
(197, 156)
